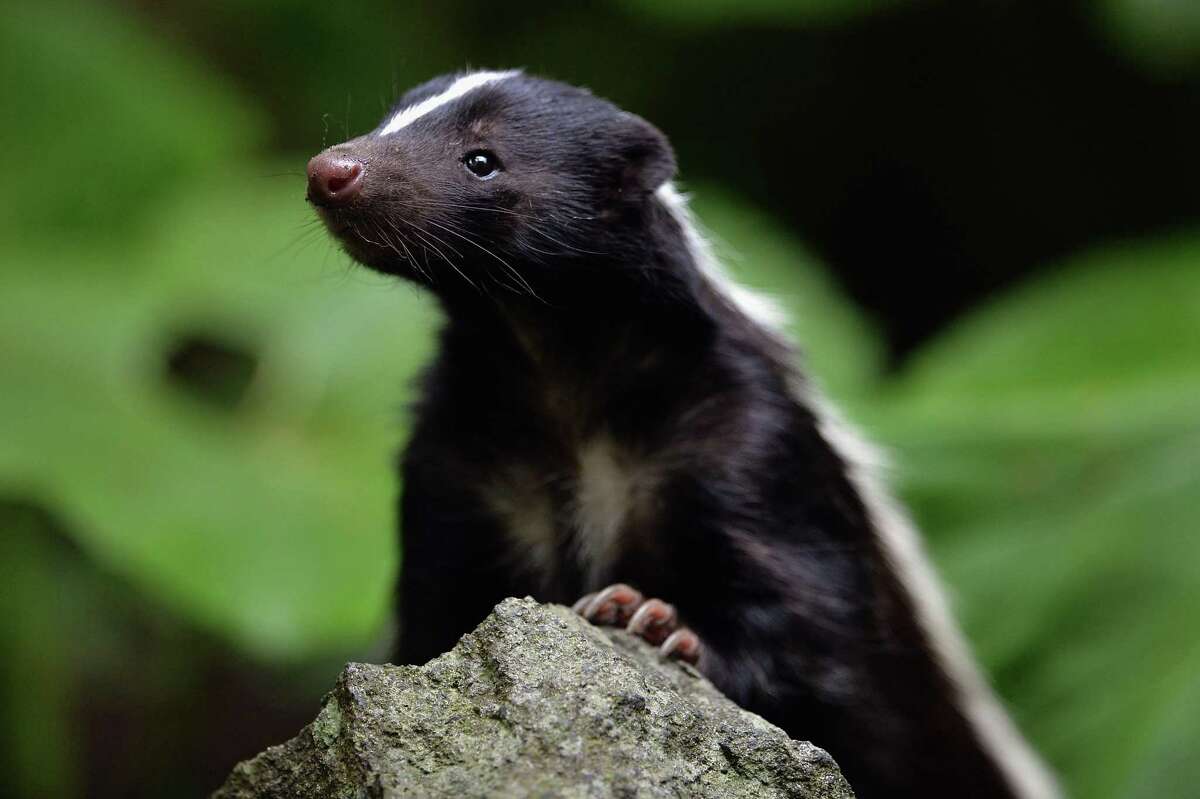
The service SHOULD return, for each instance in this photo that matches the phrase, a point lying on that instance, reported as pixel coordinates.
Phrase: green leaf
(107, 120)
(1051, 449)
(270, 522)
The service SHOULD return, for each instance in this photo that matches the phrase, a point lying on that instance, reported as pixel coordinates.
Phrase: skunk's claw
(653, 620)
(612, 607)
(683, 644)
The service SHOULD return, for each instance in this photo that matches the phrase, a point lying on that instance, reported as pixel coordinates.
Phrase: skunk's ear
(649, 161)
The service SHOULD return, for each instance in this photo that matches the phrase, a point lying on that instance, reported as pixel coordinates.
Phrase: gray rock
(536, 702)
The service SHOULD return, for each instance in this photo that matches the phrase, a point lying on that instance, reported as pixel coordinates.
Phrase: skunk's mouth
(336, 223)
(378, 243)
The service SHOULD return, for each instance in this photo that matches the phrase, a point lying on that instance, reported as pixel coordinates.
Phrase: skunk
(611, 422)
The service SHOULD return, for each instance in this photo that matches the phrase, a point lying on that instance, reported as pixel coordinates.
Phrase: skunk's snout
(334, 179)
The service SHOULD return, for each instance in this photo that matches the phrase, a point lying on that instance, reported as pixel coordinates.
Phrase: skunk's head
(495, 179)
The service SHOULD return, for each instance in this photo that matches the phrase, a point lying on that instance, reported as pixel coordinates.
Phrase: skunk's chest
(577, 513)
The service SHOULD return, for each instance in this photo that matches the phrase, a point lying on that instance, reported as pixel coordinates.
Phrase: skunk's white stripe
(902, 547)
(466, 83)
(760, 309)
(898, 539)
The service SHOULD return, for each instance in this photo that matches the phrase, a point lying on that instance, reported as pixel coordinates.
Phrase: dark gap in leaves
(213, 371)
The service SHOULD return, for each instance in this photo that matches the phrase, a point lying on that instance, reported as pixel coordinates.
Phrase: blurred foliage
(253, 519)
(1162, 35)
(112, 114)
(105, 692)
(716, 12)
(1051, 447)
(1049, 444)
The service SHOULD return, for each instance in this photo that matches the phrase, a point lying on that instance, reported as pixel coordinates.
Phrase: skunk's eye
(482, 164)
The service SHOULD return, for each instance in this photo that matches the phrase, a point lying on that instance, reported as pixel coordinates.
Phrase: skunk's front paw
(651, 619)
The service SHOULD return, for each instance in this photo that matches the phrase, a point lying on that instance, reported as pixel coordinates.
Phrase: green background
(200, 399)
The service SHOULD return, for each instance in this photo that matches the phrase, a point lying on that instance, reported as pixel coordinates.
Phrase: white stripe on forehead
(466, 83)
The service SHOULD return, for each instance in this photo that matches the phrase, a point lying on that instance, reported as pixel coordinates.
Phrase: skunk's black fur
(579, 325)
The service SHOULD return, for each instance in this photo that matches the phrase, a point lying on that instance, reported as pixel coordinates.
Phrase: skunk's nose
(334, 179)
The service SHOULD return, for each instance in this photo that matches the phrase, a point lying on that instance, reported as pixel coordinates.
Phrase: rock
(536, 702)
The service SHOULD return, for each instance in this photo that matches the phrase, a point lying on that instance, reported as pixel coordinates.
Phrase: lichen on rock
(536, 702)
